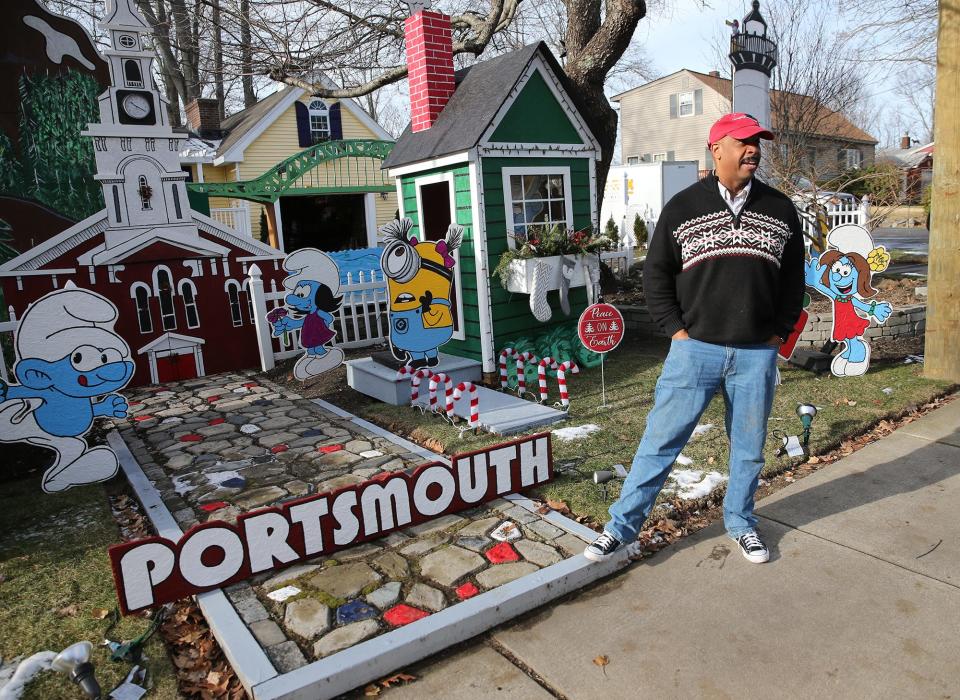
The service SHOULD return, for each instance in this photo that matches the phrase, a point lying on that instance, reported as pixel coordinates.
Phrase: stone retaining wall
(905, 321)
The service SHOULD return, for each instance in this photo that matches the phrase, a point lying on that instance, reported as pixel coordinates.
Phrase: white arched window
(245, 288)
(188, 294)
(140, 293)
(232, 287)
(164, 291)
(319, 121)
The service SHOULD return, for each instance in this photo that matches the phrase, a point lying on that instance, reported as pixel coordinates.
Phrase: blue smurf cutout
(314, 287)
(69, 365)
(843, 274)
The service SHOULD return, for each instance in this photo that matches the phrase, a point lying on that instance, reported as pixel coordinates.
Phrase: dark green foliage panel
(54, 163)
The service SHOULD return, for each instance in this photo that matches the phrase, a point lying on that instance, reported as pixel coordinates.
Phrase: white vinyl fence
(361, 320)
(838, 213)
(237, 218)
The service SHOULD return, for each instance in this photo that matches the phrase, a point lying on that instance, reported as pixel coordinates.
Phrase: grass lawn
(631, 374)
(55, 581)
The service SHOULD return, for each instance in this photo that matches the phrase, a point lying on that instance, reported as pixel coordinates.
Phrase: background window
(141, 295)
(537, 200)
(319, 121)
(685, 101)
(233, 295)
(165, 293)
(189, 295)
(659, 157)
(850, 158)
(633, 160)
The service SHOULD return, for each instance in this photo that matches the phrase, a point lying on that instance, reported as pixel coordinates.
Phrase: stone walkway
(218, 446)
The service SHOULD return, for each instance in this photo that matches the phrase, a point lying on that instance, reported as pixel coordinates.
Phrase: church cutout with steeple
(177, 277)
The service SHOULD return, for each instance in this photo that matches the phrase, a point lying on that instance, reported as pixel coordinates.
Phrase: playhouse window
(233, 295)
(319, 121)
(189, 295)
(538, 199)
(132, 75)
(141, 295)
(165, 293)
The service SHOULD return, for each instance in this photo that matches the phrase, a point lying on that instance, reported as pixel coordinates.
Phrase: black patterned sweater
(726, 279)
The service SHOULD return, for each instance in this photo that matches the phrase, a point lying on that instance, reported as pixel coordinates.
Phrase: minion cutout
(419, 284)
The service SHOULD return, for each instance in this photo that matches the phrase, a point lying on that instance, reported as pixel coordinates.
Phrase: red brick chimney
(203, 117)
(905, 141)
(429, 39)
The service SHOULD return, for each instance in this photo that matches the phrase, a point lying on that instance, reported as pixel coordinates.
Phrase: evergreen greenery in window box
(549, 245)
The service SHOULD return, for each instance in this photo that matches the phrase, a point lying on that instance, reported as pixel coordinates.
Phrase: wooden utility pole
(942, 351)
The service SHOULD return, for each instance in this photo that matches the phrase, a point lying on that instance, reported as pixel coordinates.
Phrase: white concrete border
(245, 655)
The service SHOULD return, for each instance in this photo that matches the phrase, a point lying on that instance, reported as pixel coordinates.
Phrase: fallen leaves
(559, 506)
(374, 689)
(99, 613)
(602, 661)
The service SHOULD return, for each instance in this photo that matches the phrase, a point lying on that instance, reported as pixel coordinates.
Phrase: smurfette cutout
(314, 285)
(70, 363)
(843, 274)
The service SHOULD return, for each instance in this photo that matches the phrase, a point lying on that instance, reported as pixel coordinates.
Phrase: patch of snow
(683, 460)
(702, 430)
(281, 594)
(576, 432)
(887, 390)
(693, 484)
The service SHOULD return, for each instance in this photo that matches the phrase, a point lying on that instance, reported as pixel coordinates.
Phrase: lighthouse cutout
(754, 57)
(136, 150)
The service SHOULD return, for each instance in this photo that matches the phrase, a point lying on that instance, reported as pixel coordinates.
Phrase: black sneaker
(753, 548)
(602, 548)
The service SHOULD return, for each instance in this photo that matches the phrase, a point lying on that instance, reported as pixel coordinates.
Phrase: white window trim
(680, 103)
(546, 170)
(658, 157)
(325, 112)
(633, 160)
(133, 295)
(196, 310)
(226, 288)
(848, 153)
(245, 288)
(156, 281)
(448, 177)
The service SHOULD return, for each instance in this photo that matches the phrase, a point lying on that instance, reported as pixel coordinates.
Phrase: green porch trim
(351, 171)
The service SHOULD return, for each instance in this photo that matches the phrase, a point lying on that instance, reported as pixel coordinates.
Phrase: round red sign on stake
(600, 328)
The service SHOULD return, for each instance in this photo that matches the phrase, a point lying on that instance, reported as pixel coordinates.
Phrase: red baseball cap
(739, 126)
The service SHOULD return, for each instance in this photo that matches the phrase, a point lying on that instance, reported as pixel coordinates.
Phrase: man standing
(724, 279)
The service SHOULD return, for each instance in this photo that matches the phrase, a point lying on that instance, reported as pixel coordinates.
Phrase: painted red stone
(215, 505)
(327, 449)
(216, 421)
(502, 553)
(400, 615)
(467, 590)
(250, 385)
(140, 419)
(277, 449)
(191, 437)
(213, 399)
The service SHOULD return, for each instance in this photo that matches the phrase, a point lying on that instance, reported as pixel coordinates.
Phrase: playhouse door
(436, 215)
(175, 368)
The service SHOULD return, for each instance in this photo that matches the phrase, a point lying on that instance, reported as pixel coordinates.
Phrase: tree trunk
(218, 60)
(246, 56)
(942, 360)
(602, 119)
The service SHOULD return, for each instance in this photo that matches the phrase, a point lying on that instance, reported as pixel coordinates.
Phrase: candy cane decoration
(474, 401)
(418, 376)
(523, 357)
(568, 366)
(436, 379)
(542, 375)
(506, 354)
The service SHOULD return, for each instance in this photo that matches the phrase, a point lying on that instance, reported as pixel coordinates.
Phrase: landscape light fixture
(600, 478)
(807, 413)
(74, 661)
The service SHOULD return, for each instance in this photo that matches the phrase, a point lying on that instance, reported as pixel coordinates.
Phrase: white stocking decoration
(539, 306)
(566, 274)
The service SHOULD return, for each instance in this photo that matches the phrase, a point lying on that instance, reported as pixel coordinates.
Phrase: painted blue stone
(237, 482)
(261, 402)
(354, 611)
(312, 433)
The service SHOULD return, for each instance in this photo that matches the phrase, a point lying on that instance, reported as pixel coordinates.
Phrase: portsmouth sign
(154, 571)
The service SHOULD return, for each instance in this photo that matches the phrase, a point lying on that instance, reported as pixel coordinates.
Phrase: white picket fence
(361, 320)
(11, 328)
(838, 213)
(237, 218)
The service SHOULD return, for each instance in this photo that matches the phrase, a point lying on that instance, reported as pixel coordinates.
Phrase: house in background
(497, 148)
(293, 170)
(669, 119)
(916, 167)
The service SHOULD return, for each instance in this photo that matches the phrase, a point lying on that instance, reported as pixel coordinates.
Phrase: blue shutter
(336, 124)
(303, 125)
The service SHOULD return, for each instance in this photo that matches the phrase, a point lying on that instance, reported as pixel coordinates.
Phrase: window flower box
(520, 273)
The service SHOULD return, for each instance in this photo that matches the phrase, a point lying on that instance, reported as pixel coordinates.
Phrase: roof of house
(830, 124)
(906, 157)
(480, 91)
(237, 125)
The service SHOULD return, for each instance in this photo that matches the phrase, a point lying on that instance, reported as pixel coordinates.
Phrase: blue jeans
(692, 374)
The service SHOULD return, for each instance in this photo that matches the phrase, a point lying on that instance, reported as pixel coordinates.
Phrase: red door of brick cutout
(175, 368)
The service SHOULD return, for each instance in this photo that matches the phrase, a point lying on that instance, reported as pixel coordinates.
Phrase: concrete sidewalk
(861, 599)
